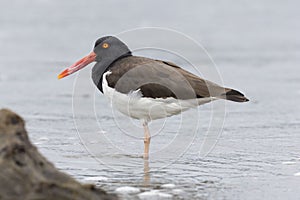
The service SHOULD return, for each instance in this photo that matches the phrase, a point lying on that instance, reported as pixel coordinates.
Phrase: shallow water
(257, 50)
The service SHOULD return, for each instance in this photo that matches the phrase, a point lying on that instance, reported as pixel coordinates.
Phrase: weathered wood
(26, 174)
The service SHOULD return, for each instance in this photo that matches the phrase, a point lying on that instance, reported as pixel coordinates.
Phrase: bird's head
(106, 50)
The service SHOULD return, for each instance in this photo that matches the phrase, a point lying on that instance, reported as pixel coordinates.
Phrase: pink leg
(147, 138)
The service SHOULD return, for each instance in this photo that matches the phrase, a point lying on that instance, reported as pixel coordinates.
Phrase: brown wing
(161, 79)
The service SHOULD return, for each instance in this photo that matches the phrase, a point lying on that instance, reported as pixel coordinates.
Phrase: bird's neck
(103, 66)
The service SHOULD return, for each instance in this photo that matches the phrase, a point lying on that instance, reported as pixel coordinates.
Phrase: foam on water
(297, 174)
(169, 186)
(154, 195)
(96, 179)
(127, 190)
(289, 163)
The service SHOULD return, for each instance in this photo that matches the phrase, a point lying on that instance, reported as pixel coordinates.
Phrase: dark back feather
(161, 79)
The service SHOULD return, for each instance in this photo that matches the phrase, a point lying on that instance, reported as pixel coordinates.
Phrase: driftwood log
(26, 174)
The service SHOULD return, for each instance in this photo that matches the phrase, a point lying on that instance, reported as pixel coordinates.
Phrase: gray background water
(255, 45)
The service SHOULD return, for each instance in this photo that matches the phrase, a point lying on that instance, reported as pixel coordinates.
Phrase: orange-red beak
(78, 65)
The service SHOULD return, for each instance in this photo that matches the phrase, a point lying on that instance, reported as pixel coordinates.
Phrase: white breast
(138, 107)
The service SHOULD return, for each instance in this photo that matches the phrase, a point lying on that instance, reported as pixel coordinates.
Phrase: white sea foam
(177, 191)
(96, 178)
(297, 174)
(154, 195)
(127, 190)
(289, 163)
(169, 186)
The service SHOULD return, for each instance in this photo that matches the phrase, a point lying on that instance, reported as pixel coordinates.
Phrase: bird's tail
(234, 95)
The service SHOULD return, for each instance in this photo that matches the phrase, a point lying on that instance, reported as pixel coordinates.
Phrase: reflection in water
(146, 173)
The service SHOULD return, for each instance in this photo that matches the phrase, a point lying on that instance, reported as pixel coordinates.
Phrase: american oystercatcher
(144, 88)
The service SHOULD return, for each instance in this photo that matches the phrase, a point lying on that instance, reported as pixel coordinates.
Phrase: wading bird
(144, 88)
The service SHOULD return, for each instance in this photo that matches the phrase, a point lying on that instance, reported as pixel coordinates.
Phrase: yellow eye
(105, 45)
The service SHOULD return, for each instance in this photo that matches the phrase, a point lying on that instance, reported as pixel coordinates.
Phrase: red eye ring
(105, 45)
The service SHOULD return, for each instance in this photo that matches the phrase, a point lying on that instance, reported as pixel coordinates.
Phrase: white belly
(138, 107)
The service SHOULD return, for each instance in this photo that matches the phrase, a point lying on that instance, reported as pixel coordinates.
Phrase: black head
(109, 49)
